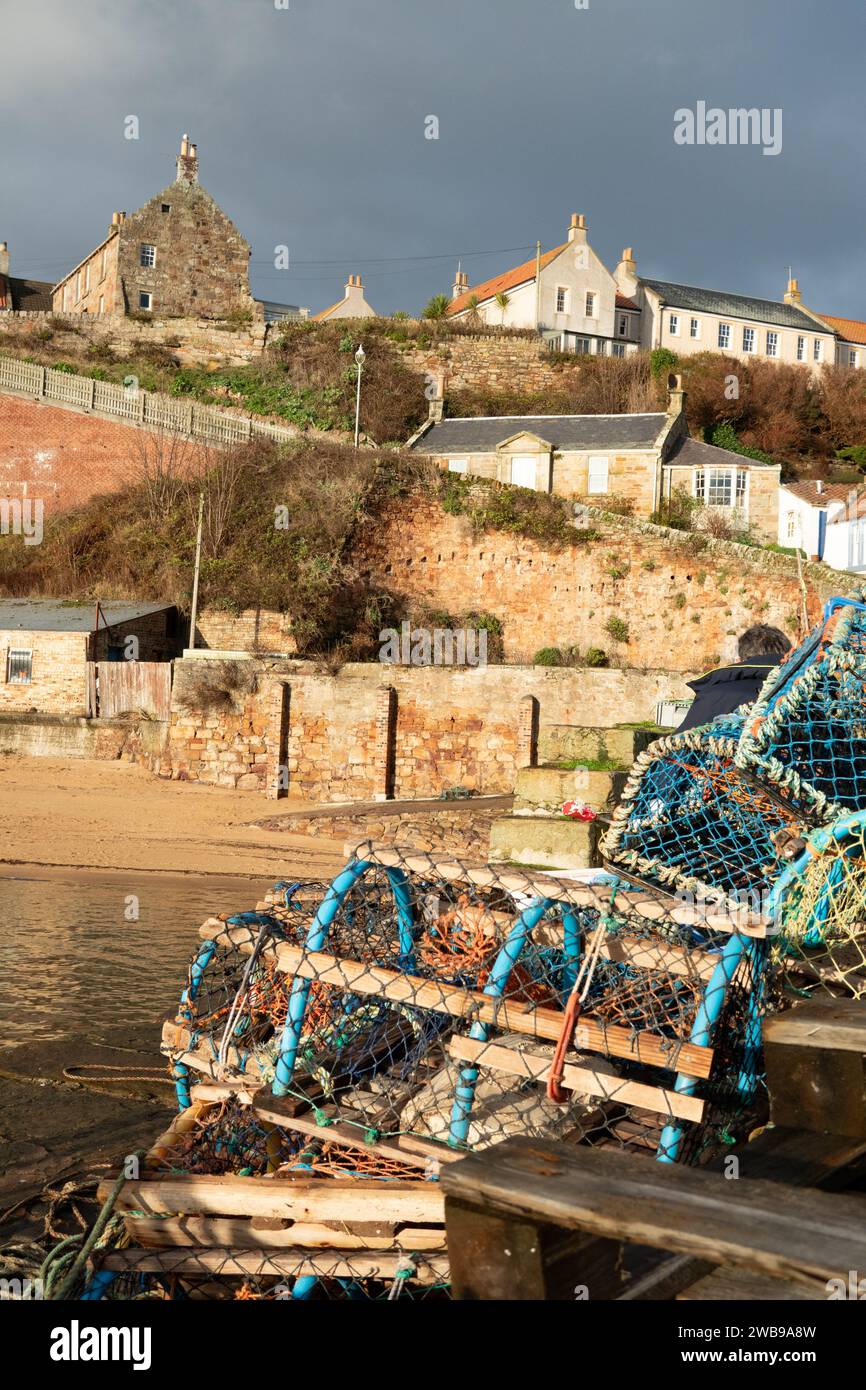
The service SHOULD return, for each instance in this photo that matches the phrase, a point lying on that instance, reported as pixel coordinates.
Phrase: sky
(312, 124)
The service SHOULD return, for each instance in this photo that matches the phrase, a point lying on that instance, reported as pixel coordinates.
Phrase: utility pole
(537, 286)
(194, 613)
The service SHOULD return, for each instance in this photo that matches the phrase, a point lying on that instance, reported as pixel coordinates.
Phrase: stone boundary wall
(196, 342)
(372, 732)
(455, 829)
(681, 597)
(507, 363)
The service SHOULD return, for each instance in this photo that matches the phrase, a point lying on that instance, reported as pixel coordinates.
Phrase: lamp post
(360, 358)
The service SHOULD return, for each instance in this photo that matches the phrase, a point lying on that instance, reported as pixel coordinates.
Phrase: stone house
(850, 340)
(353, 305)
(21, 296)
(567, 294)
(178, 255)
(45, 646)
(640, 459)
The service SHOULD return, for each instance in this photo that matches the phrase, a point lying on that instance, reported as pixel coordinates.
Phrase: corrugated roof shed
(55, 615)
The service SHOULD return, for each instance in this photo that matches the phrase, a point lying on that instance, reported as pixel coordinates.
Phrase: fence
(117, 687)
(133, 406)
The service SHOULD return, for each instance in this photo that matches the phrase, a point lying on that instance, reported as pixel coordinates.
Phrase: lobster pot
(820, 904)
(438, 1031)
(693, 822)
(807, 731)
(225, 1207)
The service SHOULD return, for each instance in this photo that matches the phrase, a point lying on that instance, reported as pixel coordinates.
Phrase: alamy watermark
(738, 125)
(441, 646)
(22, 516)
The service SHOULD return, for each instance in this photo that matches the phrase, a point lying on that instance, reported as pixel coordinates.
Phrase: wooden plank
(530, 1020)
(783, 1231)
(725, 1285)
(161, 1232)
(327, 1264)
(288, 1197)
(643, 902)
(267, 1107)
(582, 1080)
(816, 1066)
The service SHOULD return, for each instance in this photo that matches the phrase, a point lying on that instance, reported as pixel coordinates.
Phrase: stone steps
(549, 787)
(588, 744)
(547, 842)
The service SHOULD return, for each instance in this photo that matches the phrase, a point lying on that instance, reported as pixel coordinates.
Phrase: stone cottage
(641, 459)
(179, 254)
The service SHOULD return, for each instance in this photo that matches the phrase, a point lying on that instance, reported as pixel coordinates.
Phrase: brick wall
(412, 732)
(683, 597)
(58, 672)
(255, 629)
(66, 457)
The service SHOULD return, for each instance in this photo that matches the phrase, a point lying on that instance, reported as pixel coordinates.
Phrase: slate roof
(30, 295)
(53, 615)
(694, 453)
(735, 306)
(482, 435)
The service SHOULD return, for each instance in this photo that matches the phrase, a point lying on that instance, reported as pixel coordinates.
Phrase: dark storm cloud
(310, 126)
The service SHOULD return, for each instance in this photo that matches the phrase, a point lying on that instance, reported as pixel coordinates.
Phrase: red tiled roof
(852, 330)
(807, 491)
(508, 280)
(623, 302)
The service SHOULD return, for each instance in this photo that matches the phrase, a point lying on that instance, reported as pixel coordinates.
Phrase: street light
(360, 358)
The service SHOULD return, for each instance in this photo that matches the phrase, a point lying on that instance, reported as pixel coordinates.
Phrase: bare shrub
(218, 687)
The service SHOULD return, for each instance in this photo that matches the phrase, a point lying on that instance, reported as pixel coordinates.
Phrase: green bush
(617, 628)
(548, 656)
(595, 656)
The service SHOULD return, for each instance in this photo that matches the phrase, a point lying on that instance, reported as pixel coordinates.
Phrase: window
(87, 277)
(102, 267)
(145, 300)
(19, 666)
(817, 350)
(674, 325)
(623, 325)
(590, 304)
(102, 304)
(742, 483)
(748, 340)
(561, 299)
(791, 526)
(147, 255)
(801, 349)
(695, 328)
(457, 465)
(598, 470)
(715, 487)
(166, 207)
(724, 335)
(601, 346)
(581, 345)
(772, 344)
(617, 349)
(80, 284)
(853, 357)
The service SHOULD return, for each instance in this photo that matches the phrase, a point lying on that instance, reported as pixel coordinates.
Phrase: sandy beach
(74, 815)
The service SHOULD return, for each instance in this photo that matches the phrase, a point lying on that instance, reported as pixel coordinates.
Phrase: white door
(597, 473)
(523, 470)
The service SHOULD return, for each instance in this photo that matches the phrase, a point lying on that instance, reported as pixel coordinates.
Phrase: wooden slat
(582, 1080)
(267, 1107)
(836, 1024)
(643, 902)
(328, 1264)
(787, 1232)
(725, 1285)
(166, 1233)
(530, 1020)
(287, 1198)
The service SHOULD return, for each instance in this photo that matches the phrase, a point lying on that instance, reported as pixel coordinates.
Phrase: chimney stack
(792, 294)
(676, 395)
(461, 284)
(577, 230)
(187, 162)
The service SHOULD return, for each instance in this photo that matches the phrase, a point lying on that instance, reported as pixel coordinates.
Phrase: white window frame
(853, 357)
(148, 307)
(801, 348)
(458, 465)
(750, 338)
(598, 475)
(791, 526)
(623, 325)
(19, 652)
(772, 343)
(590, 304)
(617, 349)
(818, 350)
(102, 266)
(102, 304)
(695, 328)
(87, 277)
(674, 325)
(561, 299)
(145, 250)
(582, 345)
(724, 336)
